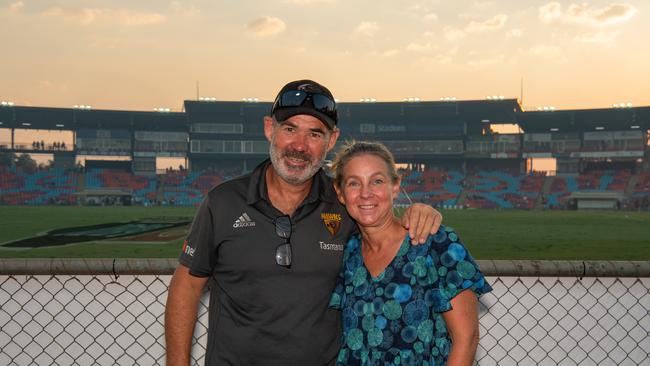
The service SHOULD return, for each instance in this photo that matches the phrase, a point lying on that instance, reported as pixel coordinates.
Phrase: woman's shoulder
(443, 238)
(352, 246)
(443, 235)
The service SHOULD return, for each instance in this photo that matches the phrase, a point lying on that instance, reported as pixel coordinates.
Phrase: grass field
(596, 235)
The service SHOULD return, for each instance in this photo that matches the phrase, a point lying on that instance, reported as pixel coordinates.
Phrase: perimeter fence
(111, 312)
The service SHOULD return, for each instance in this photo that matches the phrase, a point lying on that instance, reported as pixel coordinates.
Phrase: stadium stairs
(160, 190)
(81, 182)
(462, 198)
(631, 185)
(546, 188)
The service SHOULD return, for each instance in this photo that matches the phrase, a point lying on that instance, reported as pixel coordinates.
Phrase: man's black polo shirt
(262, 313)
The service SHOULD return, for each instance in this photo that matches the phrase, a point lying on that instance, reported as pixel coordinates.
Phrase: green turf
(563, 235)
(508, 234)
(23, 221)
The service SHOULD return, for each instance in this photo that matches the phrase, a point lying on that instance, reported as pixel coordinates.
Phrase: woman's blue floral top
(396, 317)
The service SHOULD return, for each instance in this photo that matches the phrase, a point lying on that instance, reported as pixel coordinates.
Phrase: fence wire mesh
(103, 320)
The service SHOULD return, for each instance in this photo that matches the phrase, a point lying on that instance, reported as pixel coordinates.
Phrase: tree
(7, 158)
(26, 163)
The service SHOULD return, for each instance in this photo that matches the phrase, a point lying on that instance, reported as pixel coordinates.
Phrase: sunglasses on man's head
(283, 251)
(299, 98)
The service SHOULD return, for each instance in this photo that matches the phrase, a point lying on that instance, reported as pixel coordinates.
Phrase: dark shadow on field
(132, 229)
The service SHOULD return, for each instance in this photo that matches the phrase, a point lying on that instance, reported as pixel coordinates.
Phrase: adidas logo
(243, 221)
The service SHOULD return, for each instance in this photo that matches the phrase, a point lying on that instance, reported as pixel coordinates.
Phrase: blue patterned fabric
(396, 317)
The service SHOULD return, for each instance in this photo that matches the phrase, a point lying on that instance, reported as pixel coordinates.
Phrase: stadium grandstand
(451, 153)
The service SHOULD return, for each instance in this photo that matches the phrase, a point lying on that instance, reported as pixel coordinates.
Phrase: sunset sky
(143, 54)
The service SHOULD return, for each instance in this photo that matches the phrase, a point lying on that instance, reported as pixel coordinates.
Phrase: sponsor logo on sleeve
(187, 249)
(332, 222)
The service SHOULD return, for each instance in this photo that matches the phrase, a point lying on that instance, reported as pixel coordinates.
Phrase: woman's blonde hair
(351, 149)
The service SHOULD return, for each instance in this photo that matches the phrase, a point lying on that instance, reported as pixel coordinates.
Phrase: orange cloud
(584, 14)
(266, 26)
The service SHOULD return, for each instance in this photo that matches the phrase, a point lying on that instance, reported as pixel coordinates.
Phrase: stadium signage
(391, 128)
(607, 154)
(537, 155)
(372, 128)
(503, 155)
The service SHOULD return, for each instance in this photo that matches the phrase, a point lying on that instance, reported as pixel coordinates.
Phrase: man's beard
(291, 175)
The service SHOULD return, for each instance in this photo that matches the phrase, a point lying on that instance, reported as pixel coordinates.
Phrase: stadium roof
(226, 112)
(45, 118)
(467, 110)
(579, 120)
(502, 111)
(351, 115)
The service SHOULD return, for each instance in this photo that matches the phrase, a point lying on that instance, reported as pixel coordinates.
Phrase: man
(271, 243)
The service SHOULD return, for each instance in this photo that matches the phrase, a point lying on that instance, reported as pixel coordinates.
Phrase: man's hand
(421, 220)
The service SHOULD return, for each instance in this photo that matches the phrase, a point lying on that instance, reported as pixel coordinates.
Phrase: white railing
(110, 312)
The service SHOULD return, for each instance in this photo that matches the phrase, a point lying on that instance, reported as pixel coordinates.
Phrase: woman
(401, 304)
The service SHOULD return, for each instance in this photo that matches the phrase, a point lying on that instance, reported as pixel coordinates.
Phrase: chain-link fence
(106, 312)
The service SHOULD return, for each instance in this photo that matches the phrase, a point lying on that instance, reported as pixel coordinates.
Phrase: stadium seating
(178, 190)
(619, 180)
(594, 181)
(642, 187)
(499, 189)
(439, 188)
(143, 189)
(434, 187)
(47, 186)
(188, 188)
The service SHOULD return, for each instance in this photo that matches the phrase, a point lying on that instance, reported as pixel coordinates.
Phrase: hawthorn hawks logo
(332, 222)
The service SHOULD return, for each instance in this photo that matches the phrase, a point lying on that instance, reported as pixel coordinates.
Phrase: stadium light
(635, 127)
(162, 110)
(495, 97)
(622, 105)
(367, 100)
(207, 99)
(83, 106)
(599, 128)
(6, 103)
